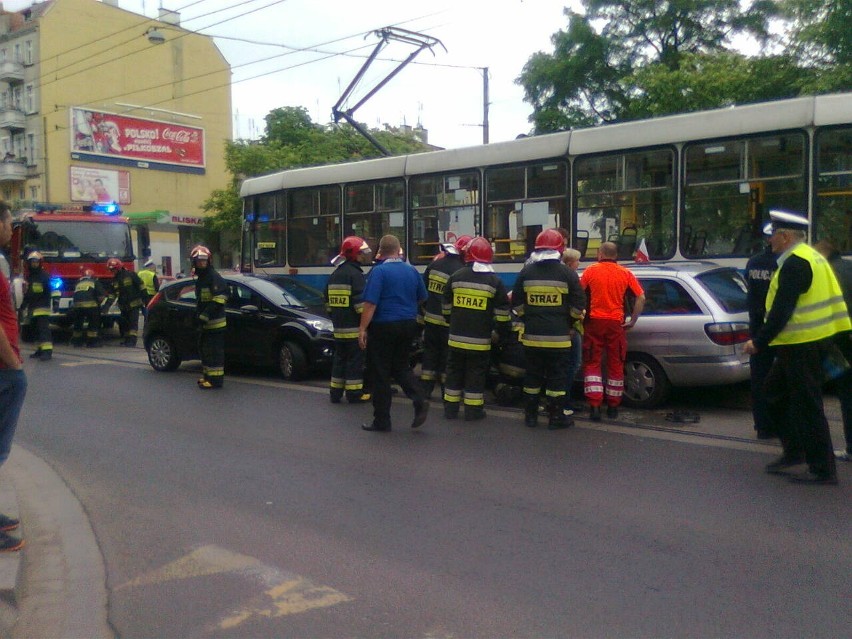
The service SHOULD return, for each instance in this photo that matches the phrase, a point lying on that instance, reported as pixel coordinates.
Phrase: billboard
(106, 137)
(99, 185)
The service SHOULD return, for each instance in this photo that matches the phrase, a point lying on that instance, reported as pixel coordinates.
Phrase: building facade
(100, 104)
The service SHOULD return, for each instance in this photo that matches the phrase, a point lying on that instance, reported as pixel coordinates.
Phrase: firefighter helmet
(353, 246)
(478, 250)
(149, 263)
(113, 264)
(34, 255)
(550, 239)
(462, 243)
(200, 252)
(87, 272)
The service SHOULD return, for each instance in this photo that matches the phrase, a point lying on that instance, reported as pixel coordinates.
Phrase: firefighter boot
(558, 420)
(44, 355)
(335, 396)
(451, 410)
(531, 412)
(36, 354)
(473, 413)
(428, 386)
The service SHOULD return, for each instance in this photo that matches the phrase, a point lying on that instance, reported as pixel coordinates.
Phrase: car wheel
(292, 361)
(645, 382)
(162, 354)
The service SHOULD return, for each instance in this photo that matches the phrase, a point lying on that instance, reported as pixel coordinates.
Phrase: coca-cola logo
(181, 136)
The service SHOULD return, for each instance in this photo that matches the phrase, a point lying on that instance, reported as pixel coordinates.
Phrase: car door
(250, 333)
(179, 320)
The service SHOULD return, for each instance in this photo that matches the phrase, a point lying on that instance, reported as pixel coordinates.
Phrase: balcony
(11, 71)
(13, 171)
(13, 119)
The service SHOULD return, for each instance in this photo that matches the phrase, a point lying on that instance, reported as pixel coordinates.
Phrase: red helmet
(353, 246)
(550, 239)
(478, 250)
(200, 252)
(462, 242)
(113, 264)
(87, 272)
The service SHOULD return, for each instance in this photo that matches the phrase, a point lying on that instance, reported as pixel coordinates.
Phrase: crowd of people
(799, 300)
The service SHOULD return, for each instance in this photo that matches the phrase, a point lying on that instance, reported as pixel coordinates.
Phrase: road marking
(287, 598)
(207, 560)
(289, 594)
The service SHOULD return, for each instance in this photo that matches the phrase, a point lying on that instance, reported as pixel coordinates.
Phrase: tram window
(547, 180)
(833, 214)
(314, 224)
(374, 209)
(270, 228)
(730, 186)
(505, 184)
(443, 207)
(625, 198)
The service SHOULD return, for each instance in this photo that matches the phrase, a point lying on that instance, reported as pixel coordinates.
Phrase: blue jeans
(13, 388)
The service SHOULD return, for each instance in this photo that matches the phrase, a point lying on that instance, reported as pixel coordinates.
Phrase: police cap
(786, 220)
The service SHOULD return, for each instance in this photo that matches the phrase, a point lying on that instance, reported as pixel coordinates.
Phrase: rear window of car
(667, 297)
(183, 292)
(728, 287)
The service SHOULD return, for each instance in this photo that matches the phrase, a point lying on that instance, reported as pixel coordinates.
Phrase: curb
(61, 592)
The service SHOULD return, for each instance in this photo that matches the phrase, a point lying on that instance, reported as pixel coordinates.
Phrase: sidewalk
(55, 586)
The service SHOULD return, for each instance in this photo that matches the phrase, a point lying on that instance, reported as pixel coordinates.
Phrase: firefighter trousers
(434, 363)
(466, 372)
(347, 370)
(548, 368)
(604, 335)
(41, 322)
(91, 317)
(213, 356)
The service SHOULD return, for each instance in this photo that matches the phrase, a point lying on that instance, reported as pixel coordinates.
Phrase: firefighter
(86, 309)
(344, 305)
(211, 295)
(150, 284)
(549, 299)
(38, 300)
(127, 287)
(436, 329)
(475, 301)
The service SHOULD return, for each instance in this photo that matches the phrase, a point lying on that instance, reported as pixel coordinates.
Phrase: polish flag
(642, 252)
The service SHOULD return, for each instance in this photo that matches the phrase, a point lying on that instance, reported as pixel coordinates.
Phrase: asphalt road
(264, 511)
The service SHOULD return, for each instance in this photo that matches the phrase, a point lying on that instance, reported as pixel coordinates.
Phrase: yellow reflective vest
(820, 311)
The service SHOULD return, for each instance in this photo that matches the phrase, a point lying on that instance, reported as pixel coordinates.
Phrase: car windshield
(279, 296)
(728, 287)
(307, 295)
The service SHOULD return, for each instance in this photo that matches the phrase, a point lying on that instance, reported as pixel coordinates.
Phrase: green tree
(292, 140)
(623, 60)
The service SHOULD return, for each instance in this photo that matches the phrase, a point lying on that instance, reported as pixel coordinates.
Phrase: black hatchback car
(267, 326)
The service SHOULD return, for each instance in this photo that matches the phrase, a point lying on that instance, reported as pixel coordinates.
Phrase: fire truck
(71, 240)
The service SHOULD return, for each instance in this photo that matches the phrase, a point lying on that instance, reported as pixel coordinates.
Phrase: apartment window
(31, 150)
(34, 193)
(28, 52)
(16, 98)
(17, 52)
(29, 102)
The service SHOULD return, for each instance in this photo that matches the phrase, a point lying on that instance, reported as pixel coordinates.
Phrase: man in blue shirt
(388, 327)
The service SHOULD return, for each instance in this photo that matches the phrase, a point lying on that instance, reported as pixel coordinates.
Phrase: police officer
(548, 298)
(344, 304)
(804, 310)
(127, 287)
(475, 300)
(436, 329)
(759, 270)
(86, 309)
(38, 301)
(150, 284)
(211, 295)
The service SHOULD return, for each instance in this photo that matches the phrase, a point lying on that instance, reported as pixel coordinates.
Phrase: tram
(691, 186)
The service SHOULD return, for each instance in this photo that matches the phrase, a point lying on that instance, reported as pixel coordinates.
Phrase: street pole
(485, 105)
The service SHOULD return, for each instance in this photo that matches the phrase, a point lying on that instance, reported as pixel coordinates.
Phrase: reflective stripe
(346, 333)
(546, 341)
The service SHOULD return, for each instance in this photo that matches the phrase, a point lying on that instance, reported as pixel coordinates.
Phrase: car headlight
(320, 325)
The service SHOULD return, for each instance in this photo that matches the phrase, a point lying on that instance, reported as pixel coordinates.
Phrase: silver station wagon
(691, 332)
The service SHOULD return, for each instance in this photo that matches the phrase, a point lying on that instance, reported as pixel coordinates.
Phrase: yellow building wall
(93, 56)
